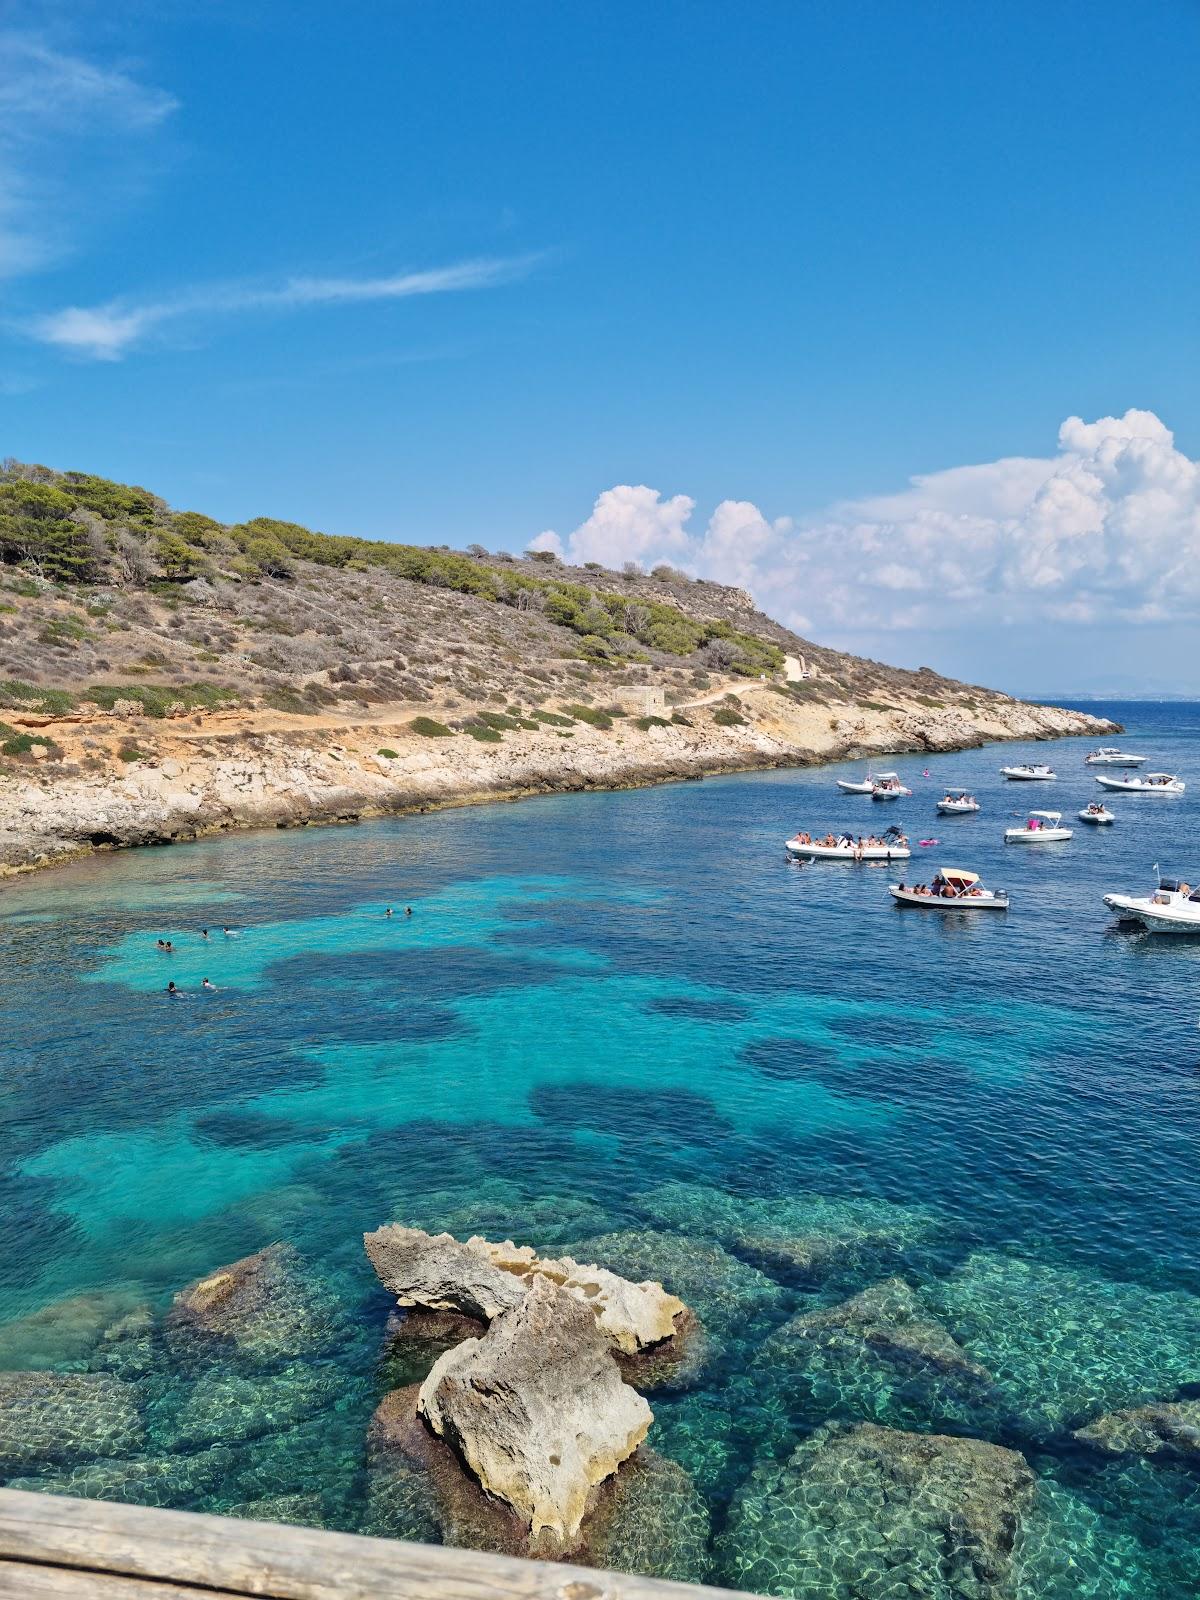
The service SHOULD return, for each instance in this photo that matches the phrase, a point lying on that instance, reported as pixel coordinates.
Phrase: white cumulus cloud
(1105, 530)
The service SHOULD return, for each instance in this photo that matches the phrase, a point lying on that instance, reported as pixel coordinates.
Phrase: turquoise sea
(623, 1024)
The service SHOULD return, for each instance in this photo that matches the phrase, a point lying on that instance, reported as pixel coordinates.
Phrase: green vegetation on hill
(75, 529)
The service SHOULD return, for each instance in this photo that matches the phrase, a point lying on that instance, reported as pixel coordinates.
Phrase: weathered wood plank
(233, 1557)
(19, 1581)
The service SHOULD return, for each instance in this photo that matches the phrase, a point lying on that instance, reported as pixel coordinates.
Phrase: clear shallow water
(600, 998)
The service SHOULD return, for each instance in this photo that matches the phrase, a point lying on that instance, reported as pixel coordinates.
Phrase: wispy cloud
(60, 114)
(107, 332)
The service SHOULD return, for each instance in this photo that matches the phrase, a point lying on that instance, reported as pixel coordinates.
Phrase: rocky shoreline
(506, 1416)
(107, 781)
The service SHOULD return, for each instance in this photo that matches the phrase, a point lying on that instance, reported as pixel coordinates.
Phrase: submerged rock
(225, 1407)
(481, 1280)
(808, 1237)
(60, 1416)
(62, 1334)
(163, 1481)
(867, 1512)
(129, 1347)
(1168, 1428)
(538, 1411)
(298, 1510)
(256, 1312)
(1064, 1346)
(879, 1355)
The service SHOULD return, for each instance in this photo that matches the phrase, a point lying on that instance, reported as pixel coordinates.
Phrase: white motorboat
(1096, 812)
(1042, 827)
(1152, 783)
(887, 786)
(957, 803)
(890, 846)
(1030, 772)
(1174, 907)
(1109, 756)
(855, 785)
(951, 890)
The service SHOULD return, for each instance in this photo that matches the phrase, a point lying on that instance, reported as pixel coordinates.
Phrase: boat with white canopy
(1030, 772)
(889, 846)
(1041, 827)
(952, 889)
(1152, 783)
(887, 786)
(957, 802)
(1174, 907)
(1109, 756)
(1097, 813)
(856, 785)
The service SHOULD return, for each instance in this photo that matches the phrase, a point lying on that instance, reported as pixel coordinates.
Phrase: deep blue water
(597, 999)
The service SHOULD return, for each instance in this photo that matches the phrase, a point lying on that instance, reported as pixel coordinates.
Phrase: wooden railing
(56, 1548)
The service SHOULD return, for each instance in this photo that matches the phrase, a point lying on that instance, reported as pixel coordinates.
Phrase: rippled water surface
(623, 1023)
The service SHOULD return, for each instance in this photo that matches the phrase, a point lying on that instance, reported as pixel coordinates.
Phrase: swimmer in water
(171, 989)
(204, 933)
(388, 912)
(160, 944)
(204, 984)
(169, 947)
(229, 933)
(408, 911)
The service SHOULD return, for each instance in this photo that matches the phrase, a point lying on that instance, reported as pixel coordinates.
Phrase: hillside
(163, 675)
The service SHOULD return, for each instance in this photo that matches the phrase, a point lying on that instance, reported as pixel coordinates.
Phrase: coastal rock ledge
(435, 1272)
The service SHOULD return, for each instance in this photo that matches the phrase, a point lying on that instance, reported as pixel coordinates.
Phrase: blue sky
(454, 272)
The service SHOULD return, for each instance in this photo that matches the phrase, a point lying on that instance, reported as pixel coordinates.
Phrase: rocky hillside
(163, 675)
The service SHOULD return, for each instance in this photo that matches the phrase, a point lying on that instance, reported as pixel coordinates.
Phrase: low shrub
(481, 731)
(589, 714)
(499, 719)
(727, 717)
(680, 720)
(553, 718)
(388, 755)
(646, 723)
(130, 752)
(428, 728)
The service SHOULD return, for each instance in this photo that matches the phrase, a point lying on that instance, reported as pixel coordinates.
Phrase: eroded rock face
(869, 1511)
(633, 1316)
(1165, 1429)
(479, 1279)
(52, 1417)
(260, 1311)
(538, 1410)
(436, 1272)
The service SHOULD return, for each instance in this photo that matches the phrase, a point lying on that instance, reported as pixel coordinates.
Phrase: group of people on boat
(940, 889)
(847, 841)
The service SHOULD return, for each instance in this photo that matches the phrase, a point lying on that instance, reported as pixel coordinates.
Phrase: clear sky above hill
(685, 281)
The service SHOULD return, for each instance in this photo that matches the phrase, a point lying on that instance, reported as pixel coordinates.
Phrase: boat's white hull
(847, 787)
(837, 852)
(889, 794)
(1015, 775)
(1133, 786)
(1155, 919)
(934, 902)
(1115, 761)
(1098, 820)
(1036, 835)
(956, 808)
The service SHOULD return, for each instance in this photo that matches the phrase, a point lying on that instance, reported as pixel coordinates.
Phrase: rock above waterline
(1170, 1428)
(538, 1411)
(54, 1417)
(258, 1312)
(435, 1272)
(868, 1511)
